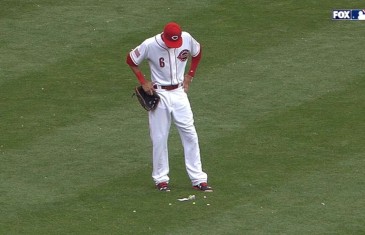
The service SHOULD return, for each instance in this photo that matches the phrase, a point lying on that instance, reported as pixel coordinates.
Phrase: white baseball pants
(174, 106)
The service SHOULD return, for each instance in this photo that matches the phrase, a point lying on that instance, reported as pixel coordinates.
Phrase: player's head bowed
(172, 35)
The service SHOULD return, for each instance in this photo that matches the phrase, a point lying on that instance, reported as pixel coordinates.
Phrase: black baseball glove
(148, 102)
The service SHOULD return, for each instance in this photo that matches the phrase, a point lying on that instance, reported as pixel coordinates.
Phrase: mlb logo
(358, 14)
(342, 14)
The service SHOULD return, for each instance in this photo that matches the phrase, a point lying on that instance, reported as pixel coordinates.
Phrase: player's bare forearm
(148, 87)
(187, 80)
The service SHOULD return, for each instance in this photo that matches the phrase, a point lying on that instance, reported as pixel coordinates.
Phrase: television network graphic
(348, 14)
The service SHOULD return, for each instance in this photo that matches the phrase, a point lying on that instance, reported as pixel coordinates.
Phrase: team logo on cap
(183, 55)
(175, 37)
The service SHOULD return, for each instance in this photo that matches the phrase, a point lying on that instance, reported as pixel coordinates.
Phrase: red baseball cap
(172, 35)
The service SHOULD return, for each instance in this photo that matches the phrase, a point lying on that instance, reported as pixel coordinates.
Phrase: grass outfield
(279, 108)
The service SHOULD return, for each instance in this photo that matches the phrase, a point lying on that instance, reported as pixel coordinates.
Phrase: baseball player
(167, 54)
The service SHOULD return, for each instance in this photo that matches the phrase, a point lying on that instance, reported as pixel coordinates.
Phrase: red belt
(168, 88)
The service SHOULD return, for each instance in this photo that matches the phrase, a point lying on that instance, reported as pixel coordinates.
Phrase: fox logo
(341, 15)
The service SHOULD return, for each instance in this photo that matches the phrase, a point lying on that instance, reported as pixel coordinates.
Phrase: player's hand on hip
(187, 80)
(148, 87)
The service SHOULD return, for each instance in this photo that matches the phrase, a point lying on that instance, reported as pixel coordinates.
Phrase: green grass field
(279, 108)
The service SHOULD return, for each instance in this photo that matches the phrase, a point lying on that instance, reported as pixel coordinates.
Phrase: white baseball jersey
(167, 65)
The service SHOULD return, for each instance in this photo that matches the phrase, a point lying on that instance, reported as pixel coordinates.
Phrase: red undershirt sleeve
(194, 63)
(129, 61)
(138, 73)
